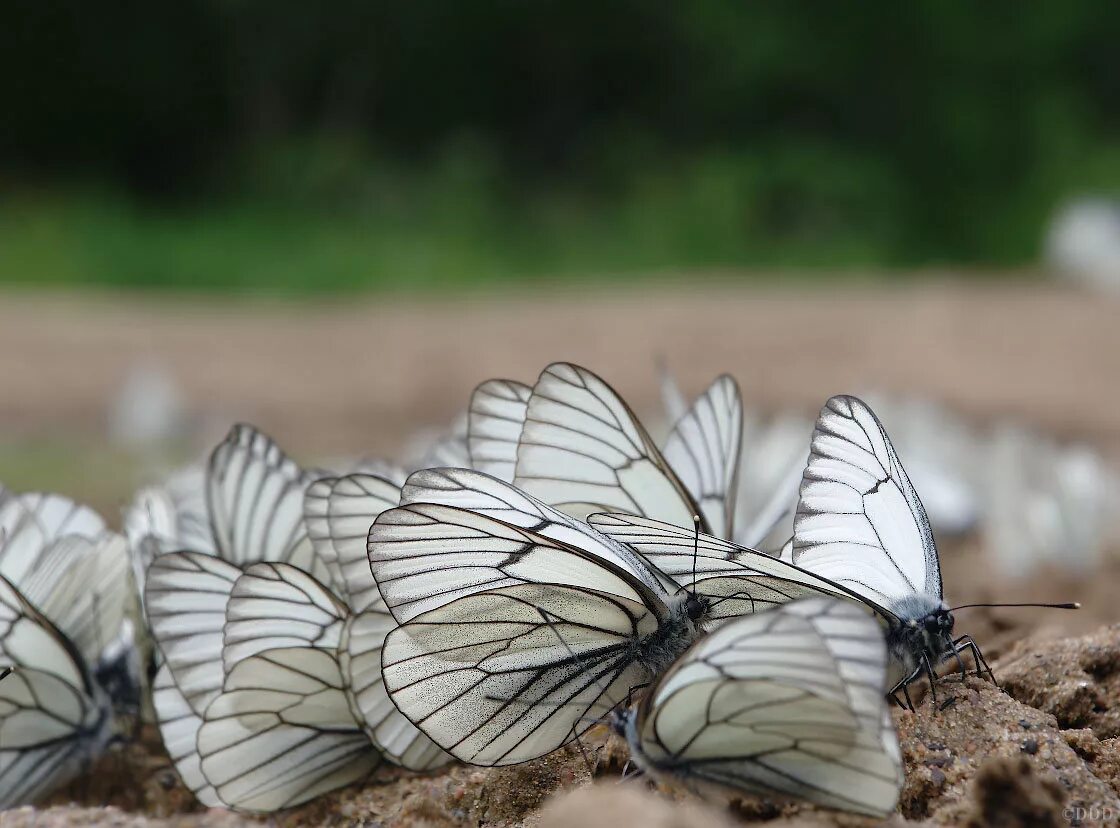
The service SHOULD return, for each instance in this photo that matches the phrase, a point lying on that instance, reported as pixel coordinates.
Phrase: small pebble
(1030, 746)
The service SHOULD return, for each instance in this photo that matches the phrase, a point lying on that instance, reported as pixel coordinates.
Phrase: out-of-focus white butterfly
(517, 619)
(65, 597)
(572, 442)
(788, 703)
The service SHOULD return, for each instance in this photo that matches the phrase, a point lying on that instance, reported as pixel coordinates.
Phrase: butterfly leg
(965, 642)
(928, 668)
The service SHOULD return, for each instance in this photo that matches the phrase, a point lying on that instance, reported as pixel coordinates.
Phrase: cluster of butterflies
(548, 568)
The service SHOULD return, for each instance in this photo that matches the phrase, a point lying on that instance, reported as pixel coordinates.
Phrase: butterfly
(574, 443)
(787, 702)
(519, 621)
(254, 496)
(65, 599)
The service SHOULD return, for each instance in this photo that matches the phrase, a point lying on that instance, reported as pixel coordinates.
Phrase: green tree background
(244, 144)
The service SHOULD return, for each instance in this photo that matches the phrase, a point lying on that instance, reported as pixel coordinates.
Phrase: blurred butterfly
(787, 702)
(519, 621)
(572, 442)
(65, 597)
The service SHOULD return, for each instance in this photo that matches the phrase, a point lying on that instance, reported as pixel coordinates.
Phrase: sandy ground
(360, 378)
(362, 375)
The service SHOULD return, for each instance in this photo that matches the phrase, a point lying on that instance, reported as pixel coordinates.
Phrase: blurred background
(334, 220)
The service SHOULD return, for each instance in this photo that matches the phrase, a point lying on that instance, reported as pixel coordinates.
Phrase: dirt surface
(363, 375)
(361, 378)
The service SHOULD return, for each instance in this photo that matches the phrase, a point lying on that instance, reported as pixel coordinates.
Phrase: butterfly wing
(339, 513)
(185, 600)
(703, 449)
(494, 423)
(509, 674)
(282, 733)
(789, 702)
(178, 727)
(360, 659)
(51, 724)
(736, 580)
(424, 555)
(583, 450)
(477, 492)
(273, 606)
(859, 521)
(254, 496)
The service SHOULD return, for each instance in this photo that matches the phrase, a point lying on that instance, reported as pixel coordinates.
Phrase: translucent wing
(424, 555)
(477, 492)
(274, 606)
(703, 449)
(495, 420)
(254, 495)
(789, 702)
(360, 660)
(736, 580)
(51, 725)
(339, 513)
(185, 601)
(282, 733)
(859, 521)
(493, 683)
(178, 727)
(583, 450)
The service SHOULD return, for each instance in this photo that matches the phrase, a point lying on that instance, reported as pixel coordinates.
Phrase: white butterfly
(517, 618)
(254, 502)
(65, 595)
(572, 442)
(787, 702)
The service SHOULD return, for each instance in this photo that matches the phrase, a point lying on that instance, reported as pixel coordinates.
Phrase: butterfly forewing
(255, 500)
(424, 555)
(495, 420)
(339, 513)
(704, 448)
(859, 521)
(582, 450)
(273, 606)
(185, 600)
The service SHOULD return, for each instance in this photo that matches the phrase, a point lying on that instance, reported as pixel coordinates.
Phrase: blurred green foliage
(293, 146)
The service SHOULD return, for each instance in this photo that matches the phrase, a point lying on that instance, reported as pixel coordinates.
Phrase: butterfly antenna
(1069, 605)
(695, 549)
(5, 672)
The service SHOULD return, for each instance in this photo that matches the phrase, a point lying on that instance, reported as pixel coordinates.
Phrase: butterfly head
(925, 630)
(696, 607)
